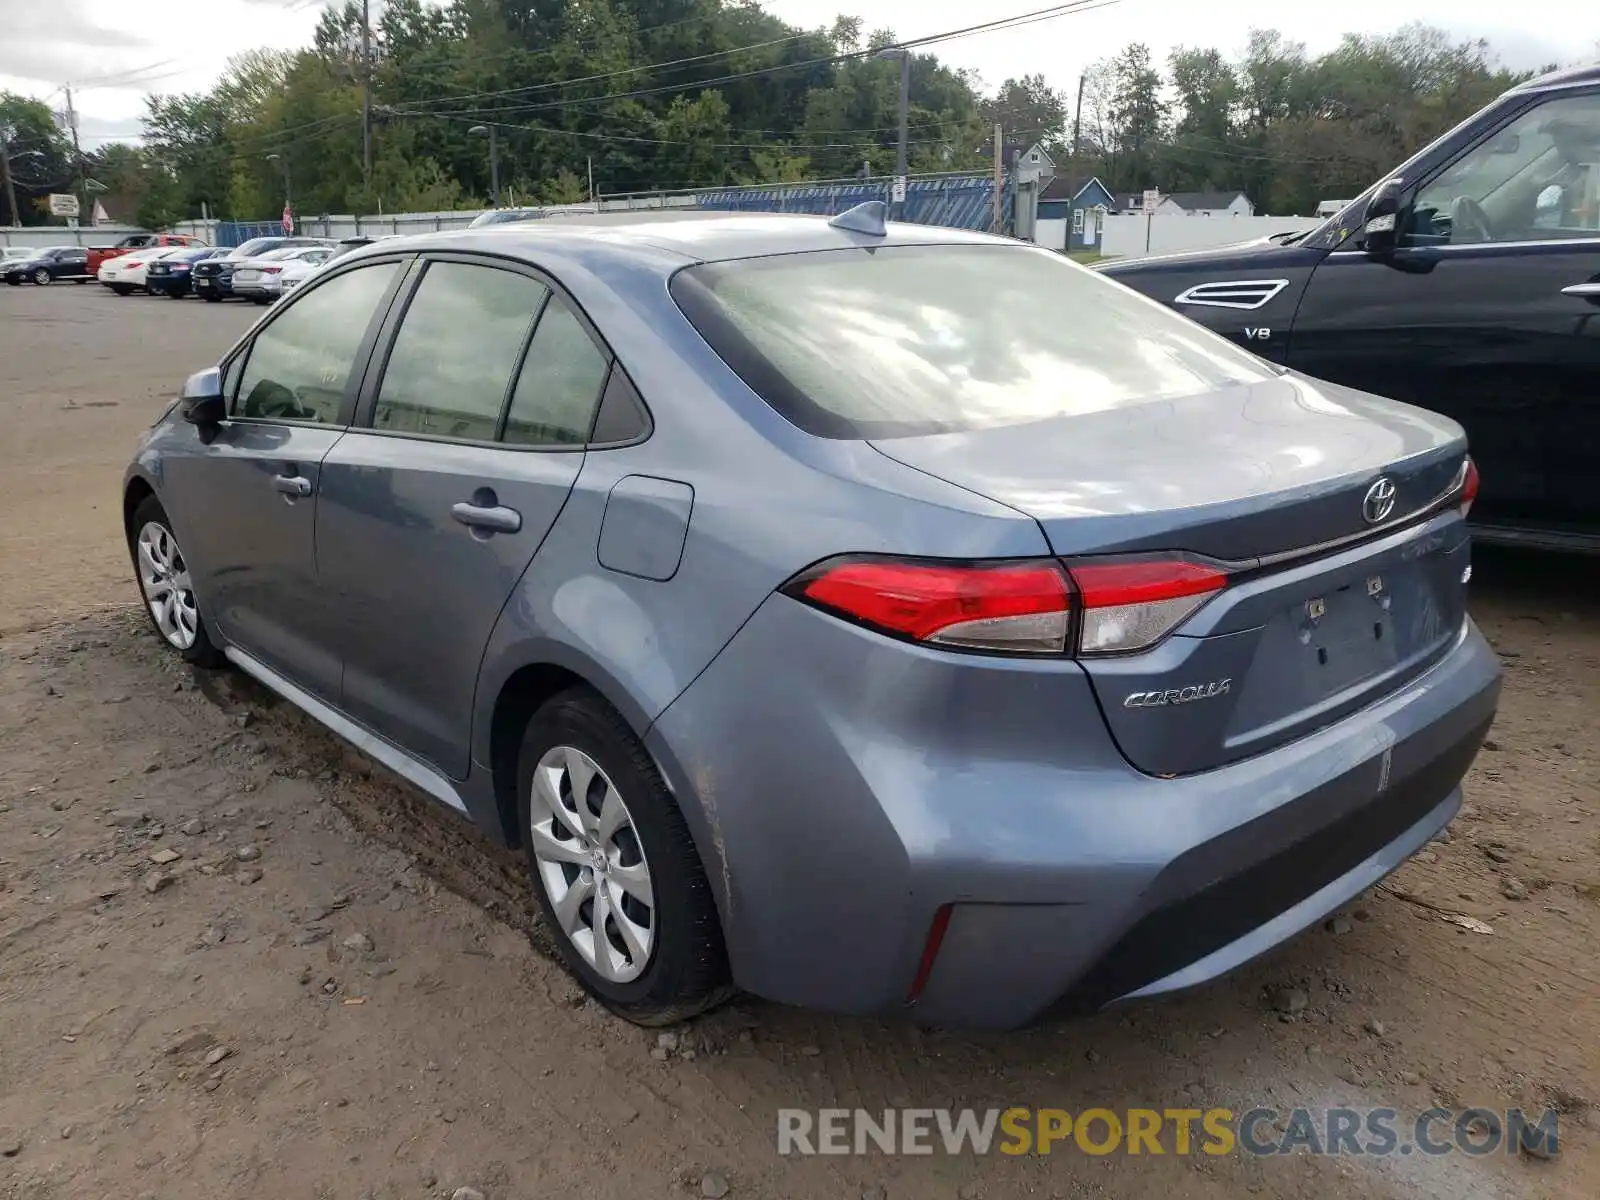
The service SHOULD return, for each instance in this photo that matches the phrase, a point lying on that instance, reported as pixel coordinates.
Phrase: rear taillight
(1129, 605)
(1121, 605)
(270, 270)
(1469, 485)
(1022, 607)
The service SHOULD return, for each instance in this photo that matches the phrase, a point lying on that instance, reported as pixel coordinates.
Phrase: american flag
(288, 219)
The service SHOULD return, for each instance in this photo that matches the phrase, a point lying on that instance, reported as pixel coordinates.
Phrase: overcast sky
(114, 52)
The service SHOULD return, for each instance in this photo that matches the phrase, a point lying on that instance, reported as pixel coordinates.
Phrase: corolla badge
(1379, 501)
(1183, 695)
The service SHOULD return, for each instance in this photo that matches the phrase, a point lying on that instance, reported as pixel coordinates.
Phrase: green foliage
(668, 94)
(1286, 129)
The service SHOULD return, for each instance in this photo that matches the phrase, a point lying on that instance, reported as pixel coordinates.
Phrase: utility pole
(1072, 172)
(5, 170)
(366, 94)
(77, 154)
(999, 170)
(898, 195)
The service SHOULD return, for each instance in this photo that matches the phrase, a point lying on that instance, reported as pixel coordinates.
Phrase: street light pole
(288, 194)
(898, 208)
(494, 160)
(5, 170)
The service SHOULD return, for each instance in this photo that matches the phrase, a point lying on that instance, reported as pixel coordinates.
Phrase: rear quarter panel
(768, 500)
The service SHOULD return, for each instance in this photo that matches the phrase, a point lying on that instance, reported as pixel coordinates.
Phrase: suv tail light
(1019, 607)
(1469, 485)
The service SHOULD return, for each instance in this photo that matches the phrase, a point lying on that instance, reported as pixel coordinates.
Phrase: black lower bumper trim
(1195, 917)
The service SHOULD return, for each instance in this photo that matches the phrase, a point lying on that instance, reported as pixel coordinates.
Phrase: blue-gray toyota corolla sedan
(874, 618)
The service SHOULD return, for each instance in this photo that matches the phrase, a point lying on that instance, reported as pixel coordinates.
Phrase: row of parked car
(261, 269)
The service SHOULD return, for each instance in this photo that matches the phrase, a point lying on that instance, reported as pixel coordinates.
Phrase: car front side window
(456, 351)
(1535, 179)
(299, 364)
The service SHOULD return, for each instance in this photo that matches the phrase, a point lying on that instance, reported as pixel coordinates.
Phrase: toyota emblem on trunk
(1379, 502)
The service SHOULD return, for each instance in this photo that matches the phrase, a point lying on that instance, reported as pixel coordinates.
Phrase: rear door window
(299, 365)
(560, 382)
(904, 340)
(456, 352)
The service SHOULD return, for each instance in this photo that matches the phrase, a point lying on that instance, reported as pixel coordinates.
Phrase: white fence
(1132, 235)
(1122, 236)
(93, 235)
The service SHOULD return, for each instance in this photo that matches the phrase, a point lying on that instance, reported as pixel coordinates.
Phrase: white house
(1194, 204)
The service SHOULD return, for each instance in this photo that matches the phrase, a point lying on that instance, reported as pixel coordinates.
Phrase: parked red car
(137, 241)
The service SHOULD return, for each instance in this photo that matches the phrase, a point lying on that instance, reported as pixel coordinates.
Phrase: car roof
(1567, 77)
(689, 235)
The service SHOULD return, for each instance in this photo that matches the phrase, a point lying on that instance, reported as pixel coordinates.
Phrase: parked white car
(262, 279)
(10, 254)
(125, 274)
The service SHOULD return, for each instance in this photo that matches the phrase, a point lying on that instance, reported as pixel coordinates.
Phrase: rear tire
(671, 963)
(166, 588)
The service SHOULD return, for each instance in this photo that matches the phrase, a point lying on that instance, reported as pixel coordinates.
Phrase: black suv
(1468, 282)
(58, 262)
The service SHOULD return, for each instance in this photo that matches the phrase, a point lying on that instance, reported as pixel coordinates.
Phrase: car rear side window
(299, 364)
(897, 341)
(560, 382)
(456, 352)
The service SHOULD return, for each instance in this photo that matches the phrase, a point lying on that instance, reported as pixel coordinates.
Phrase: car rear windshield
(899, 341)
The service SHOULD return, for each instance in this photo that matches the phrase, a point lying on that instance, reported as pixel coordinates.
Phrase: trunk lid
(1325, 611)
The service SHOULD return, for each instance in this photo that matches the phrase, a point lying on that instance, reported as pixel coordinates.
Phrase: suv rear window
(898, 341)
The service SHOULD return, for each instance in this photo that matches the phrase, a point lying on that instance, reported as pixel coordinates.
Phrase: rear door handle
(487, 518)
(292, 485)
(1584, 291)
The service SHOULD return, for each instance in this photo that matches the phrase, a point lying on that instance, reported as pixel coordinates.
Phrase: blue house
(1071, 212)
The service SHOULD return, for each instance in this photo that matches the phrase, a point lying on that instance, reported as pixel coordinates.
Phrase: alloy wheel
(41, 277)
(168, 590)
(592, 864)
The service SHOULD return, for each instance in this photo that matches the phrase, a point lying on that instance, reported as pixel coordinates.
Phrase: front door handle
(482, 518)
(1584, 291)
(292, 485)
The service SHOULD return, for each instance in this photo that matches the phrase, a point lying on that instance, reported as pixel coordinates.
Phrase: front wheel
(41, 277)
(614, 866)
(167, 587)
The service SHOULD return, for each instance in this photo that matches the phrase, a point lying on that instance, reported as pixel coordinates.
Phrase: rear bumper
(842, 794)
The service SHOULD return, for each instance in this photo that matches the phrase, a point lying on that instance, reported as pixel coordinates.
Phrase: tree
(41, 158)
(1138, 115)
(1027, 110)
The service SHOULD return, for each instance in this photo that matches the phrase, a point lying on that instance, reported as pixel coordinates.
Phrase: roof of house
(1063, 188)
(1012, 150)
(1202, 200)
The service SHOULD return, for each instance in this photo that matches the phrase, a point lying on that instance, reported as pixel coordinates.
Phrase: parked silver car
(881, 618)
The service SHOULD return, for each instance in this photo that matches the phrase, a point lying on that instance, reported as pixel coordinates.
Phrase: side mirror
(202, 398)
(1380, 225)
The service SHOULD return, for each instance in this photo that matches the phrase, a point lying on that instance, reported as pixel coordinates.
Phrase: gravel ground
(236, 959)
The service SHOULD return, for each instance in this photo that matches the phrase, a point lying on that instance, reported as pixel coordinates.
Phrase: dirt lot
(338, 992)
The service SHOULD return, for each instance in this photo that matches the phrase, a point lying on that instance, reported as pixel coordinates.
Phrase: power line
(1018, 19)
